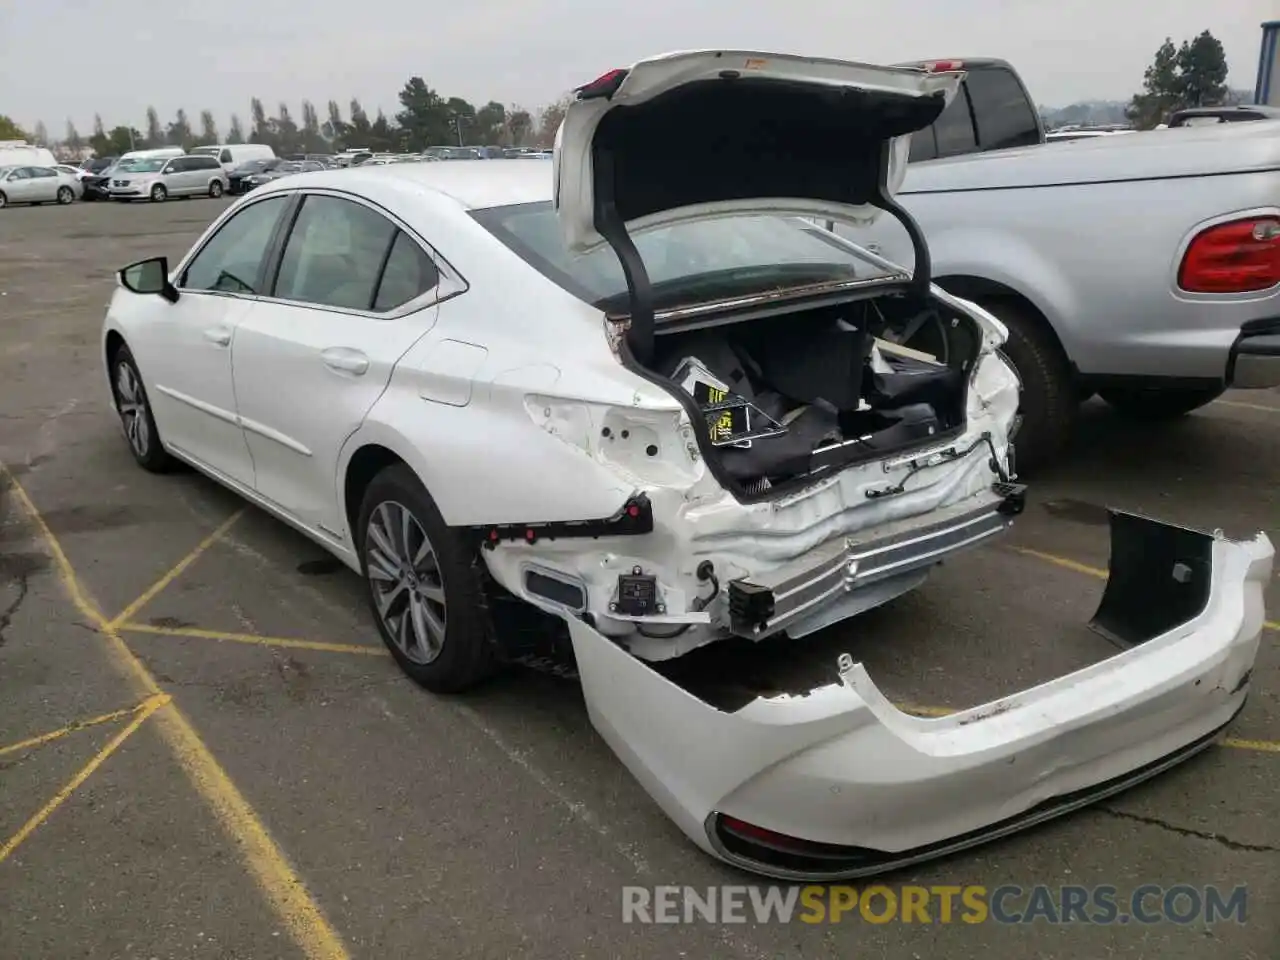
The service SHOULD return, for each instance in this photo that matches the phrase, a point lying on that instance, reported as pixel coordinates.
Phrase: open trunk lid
(719, 133)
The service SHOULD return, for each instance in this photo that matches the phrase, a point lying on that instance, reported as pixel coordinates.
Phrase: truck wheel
(1050, 402)
(1158, 404)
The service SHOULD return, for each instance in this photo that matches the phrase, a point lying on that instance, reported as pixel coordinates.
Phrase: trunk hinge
(922, 275)
(610, 225)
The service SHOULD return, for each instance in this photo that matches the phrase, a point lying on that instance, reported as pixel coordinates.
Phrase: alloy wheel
(131, 402)
(408, 588)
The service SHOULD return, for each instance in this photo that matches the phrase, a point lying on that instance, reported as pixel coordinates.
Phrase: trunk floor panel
(933, 648)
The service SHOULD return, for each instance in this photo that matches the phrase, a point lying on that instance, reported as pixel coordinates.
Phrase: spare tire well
(366, 464)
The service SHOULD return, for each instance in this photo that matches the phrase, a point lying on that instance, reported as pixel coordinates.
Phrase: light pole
(457, 121)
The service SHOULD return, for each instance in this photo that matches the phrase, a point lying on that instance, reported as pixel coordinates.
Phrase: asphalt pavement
(206, 752)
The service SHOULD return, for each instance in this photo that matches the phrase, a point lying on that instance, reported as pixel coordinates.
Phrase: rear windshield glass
(713, 257)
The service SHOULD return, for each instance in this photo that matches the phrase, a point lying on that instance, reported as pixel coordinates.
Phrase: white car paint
(32, 184)
(654, 77)
(494, 387)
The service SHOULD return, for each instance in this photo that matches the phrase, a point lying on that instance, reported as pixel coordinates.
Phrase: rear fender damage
(837, 782)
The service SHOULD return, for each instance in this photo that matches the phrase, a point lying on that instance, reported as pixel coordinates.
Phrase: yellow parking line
(152, 705)
(61, 732)
(1247, 406)
(253, 638)
(282, 887)
(1100, 574)
(129, 612)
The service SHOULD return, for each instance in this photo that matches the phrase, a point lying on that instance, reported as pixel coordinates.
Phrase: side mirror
(149, 277)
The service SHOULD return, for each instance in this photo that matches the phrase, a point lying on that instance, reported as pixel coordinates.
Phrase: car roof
(473, 184)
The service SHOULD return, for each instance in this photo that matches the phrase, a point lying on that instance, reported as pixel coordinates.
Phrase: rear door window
(1003, 114)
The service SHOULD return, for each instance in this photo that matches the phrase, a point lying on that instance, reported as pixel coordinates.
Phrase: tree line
(1188, 75)
(1193, 74)
(426, 119)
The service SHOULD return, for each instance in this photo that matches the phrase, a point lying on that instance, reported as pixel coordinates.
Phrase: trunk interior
(796, 393)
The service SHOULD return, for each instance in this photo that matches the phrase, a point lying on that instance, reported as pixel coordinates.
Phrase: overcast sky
(74, 58)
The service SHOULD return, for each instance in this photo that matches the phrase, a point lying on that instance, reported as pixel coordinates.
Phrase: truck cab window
(1004, 114)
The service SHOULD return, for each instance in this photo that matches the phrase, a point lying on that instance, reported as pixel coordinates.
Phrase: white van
(19, 153)
(232, 155)
(158, 153)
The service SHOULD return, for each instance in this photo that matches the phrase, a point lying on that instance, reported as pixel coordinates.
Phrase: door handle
(219, 335)
(345, 360)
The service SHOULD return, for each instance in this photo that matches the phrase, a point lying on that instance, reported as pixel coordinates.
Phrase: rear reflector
(1236, 257)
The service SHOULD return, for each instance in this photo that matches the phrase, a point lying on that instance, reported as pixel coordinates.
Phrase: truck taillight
(1236, 257)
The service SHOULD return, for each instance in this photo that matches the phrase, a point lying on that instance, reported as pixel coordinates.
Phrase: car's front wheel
(215, 189)
(422, 585)
(134, 411)
(1158, 404)
(158, 193)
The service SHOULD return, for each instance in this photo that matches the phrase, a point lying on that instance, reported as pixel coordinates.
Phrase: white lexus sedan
(634, 401)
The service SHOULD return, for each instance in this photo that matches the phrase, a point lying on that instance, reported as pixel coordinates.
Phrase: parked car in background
(238, 179)
(284, 168)
(1173, 298)
(95, 175)
(232, 156)
(19, 153)
(153, 153)
(1209, 116)
(37, 185)
(157, 179)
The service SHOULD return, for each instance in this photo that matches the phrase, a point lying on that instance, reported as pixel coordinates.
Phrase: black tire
(1050, 404)
(462, 654)
(136, 421)
(159, 194)
(66, 195)
(1158, 404)
(4, 201)
(215, 189)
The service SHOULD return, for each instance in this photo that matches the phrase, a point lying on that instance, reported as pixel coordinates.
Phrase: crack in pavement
(1188, 832)
(6, 615)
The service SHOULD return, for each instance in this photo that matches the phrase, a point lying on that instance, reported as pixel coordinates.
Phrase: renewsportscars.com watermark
(1006, 904)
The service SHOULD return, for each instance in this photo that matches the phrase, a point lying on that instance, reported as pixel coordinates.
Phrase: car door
(44, 184)
(17, 185)
(185, 355)
(354, 291)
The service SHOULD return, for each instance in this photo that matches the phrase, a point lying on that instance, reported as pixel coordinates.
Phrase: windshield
(142, 166)
(713, 257)
(256, 166)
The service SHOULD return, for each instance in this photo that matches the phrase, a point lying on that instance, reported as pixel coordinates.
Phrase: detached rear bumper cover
(839, 783)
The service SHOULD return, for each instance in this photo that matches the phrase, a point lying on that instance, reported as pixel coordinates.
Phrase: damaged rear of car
(836, 426)
(843, 427)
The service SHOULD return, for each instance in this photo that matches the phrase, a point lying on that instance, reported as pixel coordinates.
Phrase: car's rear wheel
(215, 189)
(4, 201)
(66, 195)
(1050, 404)
(158, 193)
(422, 586)
(134, 411)
(1158, 404)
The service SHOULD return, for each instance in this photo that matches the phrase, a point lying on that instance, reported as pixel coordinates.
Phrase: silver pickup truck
(1142, 268)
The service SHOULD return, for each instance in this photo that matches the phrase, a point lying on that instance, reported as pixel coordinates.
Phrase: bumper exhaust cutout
(1160, 576)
